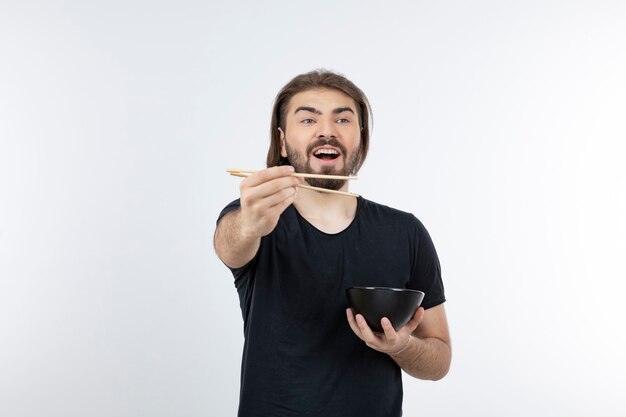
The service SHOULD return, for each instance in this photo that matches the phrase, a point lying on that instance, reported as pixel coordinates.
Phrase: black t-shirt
(300, 356)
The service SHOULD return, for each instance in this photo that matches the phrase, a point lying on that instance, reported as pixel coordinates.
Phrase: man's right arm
(264, 196)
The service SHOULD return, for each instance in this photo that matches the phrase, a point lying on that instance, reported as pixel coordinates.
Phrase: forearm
(233, 246)
(427, 358)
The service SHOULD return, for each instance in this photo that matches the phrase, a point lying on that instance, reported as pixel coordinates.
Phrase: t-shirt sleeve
(238, 273)
(232, 206)
(426, 270)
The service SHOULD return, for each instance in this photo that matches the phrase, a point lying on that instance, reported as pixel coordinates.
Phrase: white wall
(498, 124)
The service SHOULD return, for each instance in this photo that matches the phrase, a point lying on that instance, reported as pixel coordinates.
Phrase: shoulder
(376, 211)
(395, 220)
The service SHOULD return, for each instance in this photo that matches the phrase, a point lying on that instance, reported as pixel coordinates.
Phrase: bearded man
(293, 253)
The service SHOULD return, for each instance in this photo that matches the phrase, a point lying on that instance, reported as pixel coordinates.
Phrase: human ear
(283, 148)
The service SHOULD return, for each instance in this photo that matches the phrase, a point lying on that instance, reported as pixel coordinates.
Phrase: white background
(498, 123)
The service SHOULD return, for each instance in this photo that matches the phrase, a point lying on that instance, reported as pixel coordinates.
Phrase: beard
(301, 163)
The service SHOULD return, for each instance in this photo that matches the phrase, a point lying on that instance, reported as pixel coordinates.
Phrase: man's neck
(330, 213)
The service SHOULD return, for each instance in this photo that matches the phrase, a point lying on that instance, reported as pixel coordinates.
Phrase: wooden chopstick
(308, 187)
(326, 190)
(298, 174)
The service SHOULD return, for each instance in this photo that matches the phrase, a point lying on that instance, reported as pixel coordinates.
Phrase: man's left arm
(428, 351)
(421, 348)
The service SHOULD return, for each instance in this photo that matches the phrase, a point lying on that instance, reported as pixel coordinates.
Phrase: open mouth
(326, 154)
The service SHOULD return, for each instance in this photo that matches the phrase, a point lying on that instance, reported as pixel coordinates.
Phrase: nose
(326, 129)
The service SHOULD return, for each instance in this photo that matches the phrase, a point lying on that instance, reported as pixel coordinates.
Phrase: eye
(308, 121)
(343, 121)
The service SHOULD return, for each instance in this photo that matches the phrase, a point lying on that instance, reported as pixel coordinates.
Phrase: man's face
(322, 135)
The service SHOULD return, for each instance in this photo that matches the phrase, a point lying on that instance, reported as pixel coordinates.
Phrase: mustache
(323, 142)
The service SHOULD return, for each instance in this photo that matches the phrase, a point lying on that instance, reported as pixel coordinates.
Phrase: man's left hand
(390, 342)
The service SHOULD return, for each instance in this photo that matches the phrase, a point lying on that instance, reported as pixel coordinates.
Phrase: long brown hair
(317, 79)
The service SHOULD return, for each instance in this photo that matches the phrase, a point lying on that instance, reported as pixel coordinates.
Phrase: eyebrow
(316, 111)
(309, 109)
(342, 109)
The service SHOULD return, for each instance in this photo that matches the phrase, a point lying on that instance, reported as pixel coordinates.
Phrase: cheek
(298, 141)
(356, 145)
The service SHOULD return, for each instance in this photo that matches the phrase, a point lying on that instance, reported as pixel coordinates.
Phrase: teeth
(326, 151)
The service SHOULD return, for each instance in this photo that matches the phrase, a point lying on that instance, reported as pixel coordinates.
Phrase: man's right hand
(264, 196)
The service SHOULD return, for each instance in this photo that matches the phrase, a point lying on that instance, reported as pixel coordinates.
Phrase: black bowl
(374, 303)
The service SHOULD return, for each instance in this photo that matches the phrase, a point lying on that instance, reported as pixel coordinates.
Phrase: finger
(390, 333)
(265, 189)
(353, 324)
(268, 208)
(418, 316)
(275, 211)
(268, 174)
(415, 321)
(367, 335)
(259, 202)
(278, 198)
(281, 205)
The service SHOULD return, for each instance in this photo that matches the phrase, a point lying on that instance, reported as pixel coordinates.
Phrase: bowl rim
(387, 289)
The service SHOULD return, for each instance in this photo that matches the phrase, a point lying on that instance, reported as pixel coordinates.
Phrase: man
(294, 252)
